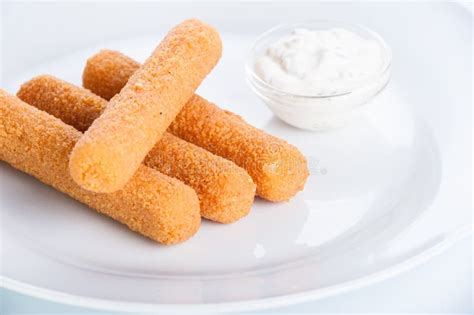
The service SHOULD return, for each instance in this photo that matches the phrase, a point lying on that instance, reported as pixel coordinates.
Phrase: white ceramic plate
(385, 193)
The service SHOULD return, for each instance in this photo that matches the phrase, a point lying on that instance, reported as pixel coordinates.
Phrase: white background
(442, 285)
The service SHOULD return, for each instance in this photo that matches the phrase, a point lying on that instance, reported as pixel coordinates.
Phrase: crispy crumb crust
(225, 191)
(114, 146)
(277, 167)
(152, 204)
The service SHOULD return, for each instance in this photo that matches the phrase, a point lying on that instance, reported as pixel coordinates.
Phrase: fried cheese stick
(225, 191)
(277, 167)
(152, 204)
(111, 150)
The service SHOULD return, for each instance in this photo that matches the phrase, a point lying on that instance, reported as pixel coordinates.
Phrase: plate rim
(422, 257)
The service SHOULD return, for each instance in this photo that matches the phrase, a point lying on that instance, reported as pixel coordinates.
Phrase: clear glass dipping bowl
(317, 112)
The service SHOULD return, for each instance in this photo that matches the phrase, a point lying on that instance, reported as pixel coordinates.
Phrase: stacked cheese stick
(144, 149)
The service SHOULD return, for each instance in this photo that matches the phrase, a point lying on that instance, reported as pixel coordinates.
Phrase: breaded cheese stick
(155, 205)
(111, 150)
(278, 168)
(225, 191)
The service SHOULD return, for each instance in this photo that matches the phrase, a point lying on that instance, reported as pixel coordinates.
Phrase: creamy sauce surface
(320, 62)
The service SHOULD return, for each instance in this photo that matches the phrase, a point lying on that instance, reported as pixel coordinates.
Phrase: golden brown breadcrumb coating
(101, 65)
(155, 205)
(225, 191)
(277, 167)
(111, 150)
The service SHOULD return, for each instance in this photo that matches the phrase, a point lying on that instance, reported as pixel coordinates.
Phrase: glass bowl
(317, 112)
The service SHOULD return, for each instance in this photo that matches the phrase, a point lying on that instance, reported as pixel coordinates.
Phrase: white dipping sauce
(320, 62)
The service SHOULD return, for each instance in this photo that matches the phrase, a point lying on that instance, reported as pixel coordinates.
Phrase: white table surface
(442, 285)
